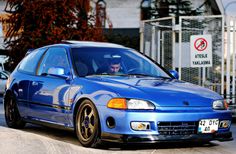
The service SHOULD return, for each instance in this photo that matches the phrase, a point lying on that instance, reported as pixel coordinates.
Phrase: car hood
(162, 92)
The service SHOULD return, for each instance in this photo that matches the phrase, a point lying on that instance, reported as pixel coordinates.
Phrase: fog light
(111, 122)
(140, 125)
(224, 123)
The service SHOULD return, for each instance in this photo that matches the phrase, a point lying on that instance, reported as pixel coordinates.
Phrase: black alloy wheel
(88, 125)
(12, 115)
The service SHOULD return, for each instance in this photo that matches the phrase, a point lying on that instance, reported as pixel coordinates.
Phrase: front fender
(99, 98)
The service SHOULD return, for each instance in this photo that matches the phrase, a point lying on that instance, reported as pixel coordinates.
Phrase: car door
(22, 76)
(48, 94)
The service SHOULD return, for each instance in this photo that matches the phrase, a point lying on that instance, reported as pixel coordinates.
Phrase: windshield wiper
(138, 74)
(148, 75)
(105, 74)
(130, 74)
(163, 77)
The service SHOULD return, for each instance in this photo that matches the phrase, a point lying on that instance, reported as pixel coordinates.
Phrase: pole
(228, 58)
(141, 31)
(180, 48)
(222, 56)
(233, 60)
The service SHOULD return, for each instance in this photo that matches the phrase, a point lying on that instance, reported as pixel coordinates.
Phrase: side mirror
(58, 72)
(174, 73)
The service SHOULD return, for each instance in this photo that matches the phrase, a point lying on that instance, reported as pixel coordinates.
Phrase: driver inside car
(114, 65)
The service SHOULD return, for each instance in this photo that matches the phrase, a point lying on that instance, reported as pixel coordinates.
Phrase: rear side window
(29, 63)
(3, 76)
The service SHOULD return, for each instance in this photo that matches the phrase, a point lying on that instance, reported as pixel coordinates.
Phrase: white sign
(201, 51)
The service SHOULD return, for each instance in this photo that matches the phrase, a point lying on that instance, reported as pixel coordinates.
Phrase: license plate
(208, 125)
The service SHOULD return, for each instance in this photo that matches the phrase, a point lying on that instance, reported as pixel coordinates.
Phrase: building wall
(124, 13)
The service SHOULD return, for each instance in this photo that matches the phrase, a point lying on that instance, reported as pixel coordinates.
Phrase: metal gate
(211, 77)
(168, 43)
(230, 47)
(158, 39)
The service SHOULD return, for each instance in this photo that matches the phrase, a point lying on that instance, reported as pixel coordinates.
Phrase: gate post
(228, 58)
(173, 44)
(159, 47)
(141, 31)
(153, 44)
(222, 55)
(180, 47)
(233, 60)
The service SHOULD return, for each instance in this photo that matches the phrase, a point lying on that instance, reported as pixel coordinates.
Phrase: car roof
(75, 44)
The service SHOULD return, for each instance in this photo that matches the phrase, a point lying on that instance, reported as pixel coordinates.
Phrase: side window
(55, 57)
(3, 76)
(29, 63)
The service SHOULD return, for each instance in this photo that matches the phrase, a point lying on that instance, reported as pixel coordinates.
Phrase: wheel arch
(76, 107)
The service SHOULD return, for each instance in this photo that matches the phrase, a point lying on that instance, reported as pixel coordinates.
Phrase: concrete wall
(124, 13)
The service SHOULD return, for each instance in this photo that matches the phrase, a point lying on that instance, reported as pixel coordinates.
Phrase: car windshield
(114, 61)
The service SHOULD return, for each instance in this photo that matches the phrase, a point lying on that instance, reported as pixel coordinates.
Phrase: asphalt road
(42, 140)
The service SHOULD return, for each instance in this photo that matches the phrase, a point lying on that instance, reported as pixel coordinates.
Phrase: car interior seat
(81, 68)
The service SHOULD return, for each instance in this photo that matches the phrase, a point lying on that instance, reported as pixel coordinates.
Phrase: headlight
(220, 105)
(139, 104)
(135, 104)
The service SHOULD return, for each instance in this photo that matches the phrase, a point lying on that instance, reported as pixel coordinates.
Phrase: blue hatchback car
(107, 92)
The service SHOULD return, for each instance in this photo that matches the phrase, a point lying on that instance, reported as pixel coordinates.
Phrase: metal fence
(210, 77)
(157, 40)
(230, 69)
(168, 43)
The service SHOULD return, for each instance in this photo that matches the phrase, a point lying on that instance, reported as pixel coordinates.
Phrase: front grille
(177, 128)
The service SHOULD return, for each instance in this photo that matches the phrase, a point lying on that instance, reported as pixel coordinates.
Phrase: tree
(165, 8)
(34, 23)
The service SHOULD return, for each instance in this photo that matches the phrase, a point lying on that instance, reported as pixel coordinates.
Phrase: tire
(12, 115)
(87, 125)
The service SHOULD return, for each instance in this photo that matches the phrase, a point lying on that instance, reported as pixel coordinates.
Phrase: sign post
(201, 51)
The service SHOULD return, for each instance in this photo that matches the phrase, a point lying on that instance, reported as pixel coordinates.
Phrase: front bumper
(118, 138)
(183, 124)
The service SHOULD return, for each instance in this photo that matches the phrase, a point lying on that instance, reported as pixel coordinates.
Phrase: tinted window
(3, 76)
(54, 57)
(97, 61)
(29, 63)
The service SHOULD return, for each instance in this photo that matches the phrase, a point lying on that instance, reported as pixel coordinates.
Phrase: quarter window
(30, 62)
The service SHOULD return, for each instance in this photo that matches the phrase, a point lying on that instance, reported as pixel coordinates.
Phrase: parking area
(36, 139)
